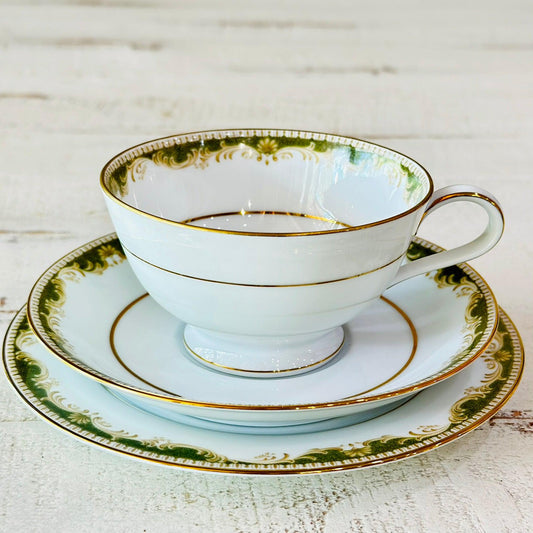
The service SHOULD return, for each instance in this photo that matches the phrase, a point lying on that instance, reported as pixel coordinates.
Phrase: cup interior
(257, 181)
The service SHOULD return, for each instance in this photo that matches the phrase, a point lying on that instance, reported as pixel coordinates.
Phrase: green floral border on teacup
(202, 149)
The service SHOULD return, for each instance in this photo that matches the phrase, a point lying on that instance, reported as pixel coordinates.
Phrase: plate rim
(514, 378)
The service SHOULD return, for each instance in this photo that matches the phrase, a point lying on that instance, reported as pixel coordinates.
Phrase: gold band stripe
(115, 351)
(402, 313)
(278, 213)
(460, 194)
(414, 334)
(128, 251)
(276, 372)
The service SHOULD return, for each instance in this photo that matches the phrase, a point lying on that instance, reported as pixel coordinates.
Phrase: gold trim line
(257, 285)
(402, 313)
(278, 213)
(414, 335)
(276, 372)
(468, 194)
(115, 351)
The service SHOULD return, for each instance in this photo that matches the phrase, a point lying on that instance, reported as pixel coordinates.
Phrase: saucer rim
(514, 377)
(109, 382)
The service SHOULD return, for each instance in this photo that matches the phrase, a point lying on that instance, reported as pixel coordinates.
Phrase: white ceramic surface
(91, 311)
(266, 241)
(82, 407)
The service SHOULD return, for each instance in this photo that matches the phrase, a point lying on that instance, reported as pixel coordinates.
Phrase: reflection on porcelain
(292, 428)
(91, 311)
(440, 414)
(265, 242)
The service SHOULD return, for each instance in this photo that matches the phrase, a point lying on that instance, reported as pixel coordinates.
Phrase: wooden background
(449, 83)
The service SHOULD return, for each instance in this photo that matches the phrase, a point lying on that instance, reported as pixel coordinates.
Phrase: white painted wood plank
(461, 112)
(481, 23)
(458, 488)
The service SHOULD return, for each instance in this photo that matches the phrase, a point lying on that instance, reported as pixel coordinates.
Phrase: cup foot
(262, 356)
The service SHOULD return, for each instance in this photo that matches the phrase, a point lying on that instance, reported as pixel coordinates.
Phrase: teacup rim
(262, 131)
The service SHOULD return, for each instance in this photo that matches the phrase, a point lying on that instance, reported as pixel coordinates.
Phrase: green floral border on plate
(503, 360)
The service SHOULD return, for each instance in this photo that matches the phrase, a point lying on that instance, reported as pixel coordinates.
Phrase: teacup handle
(483, 243)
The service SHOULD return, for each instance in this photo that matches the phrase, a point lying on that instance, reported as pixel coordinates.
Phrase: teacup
(265, 242)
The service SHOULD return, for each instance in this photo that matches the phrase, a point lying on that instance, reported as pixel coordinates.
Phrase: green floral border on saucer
(48, 298)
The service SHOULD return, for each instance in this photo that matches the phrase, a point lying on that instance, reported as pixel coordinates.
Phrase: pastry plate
(82, 407)
(90, 311)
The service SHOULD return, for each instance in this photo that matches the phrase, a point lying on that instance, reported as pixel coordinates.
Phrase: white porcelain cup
(265, 242)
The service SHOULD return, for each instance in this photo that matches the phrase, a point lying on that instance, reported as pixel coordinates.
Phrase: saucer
(437, 415)
(90, 310)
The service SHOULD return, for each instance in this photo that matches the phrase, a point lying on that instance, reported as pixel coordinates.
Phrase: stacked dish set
(266, 308)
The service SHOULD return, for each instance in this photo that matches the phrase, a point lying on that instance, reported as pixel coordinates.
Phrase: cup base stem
(262, 356)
